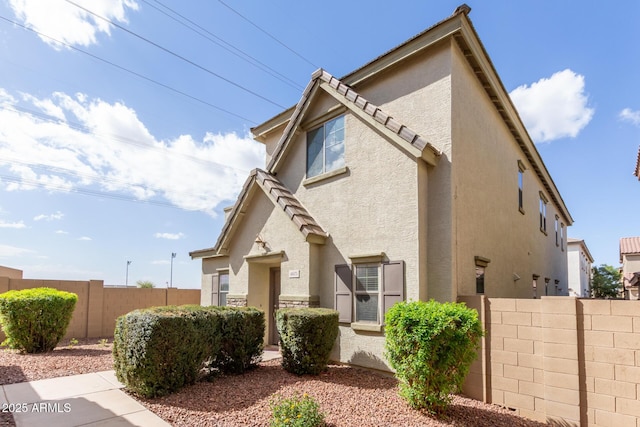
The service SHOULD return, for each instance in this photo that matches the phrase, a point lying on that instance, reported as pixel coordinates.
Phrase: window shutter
(214, 288)
(344, 292)
(392, 285)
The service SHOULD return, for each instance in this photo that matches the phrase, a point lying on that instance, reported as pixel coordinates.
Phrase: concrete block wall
(562, 360)
(98, 307)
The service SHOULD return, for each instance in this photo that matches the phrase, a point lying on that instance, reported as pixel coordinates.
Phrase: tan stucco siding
(487, 220)
(210, 266)
(280, 234)
(419, 95)
(382, 203)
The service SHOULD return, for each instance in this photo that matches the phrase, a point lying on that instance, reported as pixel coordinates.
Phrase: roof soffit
(474, 52)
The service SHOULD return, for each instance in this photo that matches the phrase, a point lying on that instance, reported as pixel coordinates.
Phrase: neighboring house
(11, 273)
(410, 178)
(630, 259)
(579, 269)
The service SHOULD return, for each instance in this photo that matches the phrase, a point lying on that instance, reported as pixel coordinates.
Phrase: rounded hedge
(35, 320)
(307, 336)
(431, 346)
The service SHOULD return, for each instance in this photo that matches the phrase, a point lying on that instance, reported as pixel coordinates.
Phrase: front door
(274, 304)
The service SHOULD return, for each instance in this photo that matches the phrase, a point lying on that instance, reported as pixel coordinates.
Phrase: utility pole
(173, 255)
(126, 280)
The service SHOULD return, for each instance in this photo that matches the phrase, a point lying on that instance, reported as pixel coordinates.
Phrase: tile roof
(355, 101)
(281, 196)
(289, 204)
(629, 245)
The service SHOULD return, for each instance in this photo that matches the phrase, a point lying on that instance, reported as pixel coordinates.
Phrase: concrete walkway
(94, 399)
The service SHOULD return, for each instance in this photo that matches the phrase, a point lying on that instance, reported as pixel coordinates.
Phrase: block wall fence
(98, 307)
(560, 360)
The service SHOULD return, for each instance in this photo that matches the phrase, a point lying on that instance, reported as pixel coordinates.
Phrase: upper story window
(325, 147)
(557, 231)
(562, 236)
(543, 213)
(521, 170)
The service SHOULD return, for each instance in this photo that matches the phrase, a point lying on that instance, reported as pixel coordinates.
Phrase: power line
(170, 52)
(224, 44)
(268, 34)
(129, 71)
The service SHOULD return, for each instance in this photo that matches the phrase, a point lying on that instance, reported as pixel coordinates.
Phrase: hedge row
(162, 349)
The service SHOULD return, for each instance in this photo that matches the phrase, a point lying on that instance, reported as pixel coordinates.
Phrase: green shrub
(35, 320)
(242, 339)
(296, 411)
(307, 336)
(159, 350)
(431, 346)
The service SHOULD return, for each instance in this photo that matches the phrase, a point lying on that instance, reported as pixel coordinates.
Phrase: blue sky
(125, 142)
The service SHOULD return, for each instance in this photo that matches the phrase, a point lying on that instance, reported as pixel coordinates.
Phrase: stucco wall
(487, 220)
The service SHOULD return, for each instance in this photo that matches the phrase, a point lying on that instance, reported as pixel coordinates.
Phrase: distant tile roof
(356, 101)
(629, 246)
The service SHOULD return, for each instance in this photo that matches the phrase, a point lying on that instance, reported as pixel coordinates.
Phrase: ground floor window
(364, 292)
(220, 288)
(481, 265)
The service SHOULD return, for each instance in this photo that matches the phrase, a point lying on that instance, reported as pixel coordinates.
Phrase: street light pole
(173, 255)
(126, 280)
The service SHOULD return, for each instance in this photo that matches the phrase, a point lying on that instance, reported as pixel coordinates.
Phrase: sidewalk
(94, 399)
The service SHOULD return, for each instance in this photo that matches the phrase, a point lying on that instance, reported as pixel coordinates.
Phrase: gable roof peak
(344, 94)
(462, 9)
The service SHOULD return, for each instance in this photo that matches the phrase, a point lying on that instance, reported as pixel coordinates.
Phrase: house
(579, 269)
(630, 260)
(410, 178)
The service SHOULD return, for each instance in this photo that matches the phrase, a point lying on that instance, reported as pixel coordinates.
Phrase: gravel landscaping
(348, 396)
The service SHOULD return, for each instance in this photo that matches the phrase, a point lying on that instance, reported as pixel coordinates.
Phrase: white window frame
(357, 292)
(324, 146)
(521, 169)
(543, 213)
(220, 291)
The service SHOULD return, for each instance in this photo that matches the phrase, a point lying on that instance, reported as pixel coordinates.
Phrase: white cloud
(629, 115)
(50, 217)
(169, 236)
(160, 262)
(554, 107)
(85, 238)
(12, 251)
(68, 23)
(19, 224)
(117, 154)
(61, 232)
